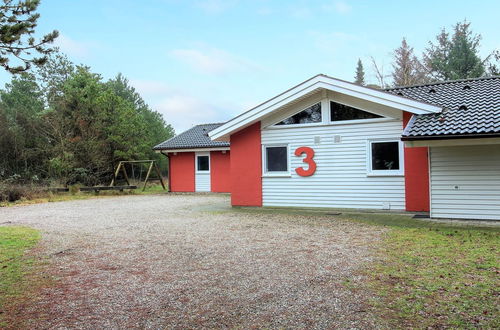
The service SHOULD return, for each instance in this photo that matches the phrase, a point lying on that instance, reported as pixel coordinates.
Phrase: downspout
(168, 169)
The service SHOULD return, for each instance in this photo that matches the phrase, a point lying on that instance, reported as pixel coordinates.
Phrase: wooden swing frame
(152, 164)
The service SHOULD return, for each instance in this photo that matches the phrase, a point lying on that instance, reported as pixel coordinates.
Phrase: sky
(206, 61)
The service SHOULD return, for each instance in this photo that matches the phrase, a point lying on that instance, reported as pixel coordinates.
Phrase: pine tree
(407, 68)
(360, 74)
(18, 21)
(455, 56)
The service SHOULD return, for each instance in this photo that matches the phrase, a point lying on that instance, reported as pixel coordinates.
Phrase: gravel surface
(186, 261)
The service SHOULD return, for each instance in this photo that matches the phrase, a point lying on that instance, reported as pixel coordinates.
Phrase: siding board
(465, 182)
(341, 179)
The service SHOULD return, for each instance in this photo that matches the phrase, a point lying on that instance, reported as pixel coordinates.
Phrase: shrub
(12, 193)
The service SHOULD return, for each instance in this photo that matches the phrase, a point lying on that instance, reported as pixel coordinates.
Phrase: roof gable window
(309, 115)
(340, 112)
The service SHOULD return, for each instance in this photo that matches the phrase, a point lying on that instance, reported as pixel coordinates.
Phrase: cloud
(180, 108)
(151, 88)
(212, 61)
(340, 7)
(215, 6)
(301, 12)
(334, 42)
(73, 47)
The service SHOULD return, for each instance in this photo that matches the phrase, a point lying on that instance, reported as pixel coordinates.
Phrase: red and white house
(333, 144)
(196, 163)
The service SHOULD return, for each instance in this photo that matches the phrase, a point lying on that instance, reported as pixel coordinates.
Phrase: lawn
(434, 275)
(15, 264)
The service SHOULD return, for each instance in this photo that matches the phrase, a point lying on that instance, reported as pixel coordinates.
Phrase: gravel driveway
(185, 261)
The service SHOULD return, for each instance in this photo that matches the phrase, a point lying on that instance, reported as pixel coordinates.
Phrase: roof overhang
(455, 140)
(312, 85)
(164, 151)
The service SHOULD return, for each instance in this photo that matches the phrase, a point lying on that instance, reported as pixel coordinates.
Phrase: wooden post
(116, 174)
(159, 176)
(147, 175)
(125, 174)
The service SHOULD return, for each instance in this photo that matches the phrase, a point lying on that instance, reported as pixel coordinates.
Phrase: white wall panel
(465, 182)
(341, 179)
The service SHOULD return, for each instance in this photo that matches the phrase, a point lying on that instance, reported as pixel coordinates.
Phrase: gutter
(449, 137)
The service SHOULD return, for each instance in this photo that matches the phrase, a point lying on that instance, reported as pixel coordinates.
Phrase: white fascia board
(452, 142)
(192, 150)
(321, 82)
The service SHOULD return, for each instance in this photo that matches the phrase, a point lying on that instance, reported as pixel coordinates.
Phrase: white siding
(202, 182)
(202, 179)
(341, 179)
(465, 182)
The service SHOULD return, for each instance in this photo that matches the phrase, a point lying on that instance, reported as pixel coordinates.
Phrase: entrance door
(202, 166)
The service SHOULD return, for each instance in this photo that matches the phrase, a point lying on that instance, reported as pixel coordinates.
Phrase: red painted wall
(246, 167)
(220, 171)
(182, 172)
(416, 175)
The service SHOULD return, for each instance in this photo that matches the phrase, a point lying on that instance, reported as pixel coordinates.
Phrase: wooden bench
(99, 188)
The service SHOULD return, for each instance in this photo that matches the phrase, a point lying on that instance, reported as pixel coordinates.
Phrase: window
(276, 159)
(385, 158)
(307, 116)
(340, 112)
(202, 163)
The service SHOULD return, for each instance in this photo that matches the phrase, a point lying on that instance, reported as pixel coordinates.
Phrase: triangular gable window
(306, 116)
(340, 112)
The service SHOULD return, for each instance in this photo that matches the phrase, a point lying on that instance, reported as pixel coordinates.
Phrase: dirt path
(182, 261)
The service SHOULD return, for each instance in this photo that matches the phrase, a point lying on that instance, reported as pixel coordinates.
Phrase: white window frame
(200, 154)
(372, 172)
(266, 173)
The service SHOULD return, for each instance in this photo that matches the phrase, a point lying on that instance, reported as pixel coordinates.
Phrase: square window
(276, 159)
(202, 163)
(385, 158)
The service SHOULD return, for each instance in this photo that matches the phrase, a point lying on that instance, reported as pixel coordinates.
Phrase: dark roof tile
(471, 106)
(193, 138)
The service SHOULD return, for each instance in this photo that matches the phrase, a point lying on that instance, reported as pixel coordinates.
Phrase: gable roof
(311, 86)
(194, 138)
(471, 107)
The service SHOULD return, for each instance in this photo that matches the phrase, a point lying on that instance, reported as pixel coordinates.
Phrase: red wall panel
(416, 175)
(220, 171)
(246, 167)
(182, 172)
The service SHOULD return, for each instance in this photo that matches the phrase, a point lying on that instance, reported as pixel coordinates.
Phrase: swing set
(152, 165)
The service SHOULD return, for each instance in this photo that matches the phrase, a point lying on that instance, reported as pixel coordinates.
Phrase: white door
(202, 166)
(465, 182)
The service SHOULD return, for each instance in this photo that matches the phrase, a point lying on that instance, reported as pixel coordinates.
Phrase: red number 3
(308, 159)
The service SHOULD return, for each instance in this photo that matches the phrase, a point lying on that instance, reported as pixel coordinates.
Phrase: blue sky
(208, 60)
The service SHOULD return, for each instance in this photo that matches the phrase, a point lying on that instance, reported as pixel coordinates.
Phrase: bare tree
(407, 68)
(379, 73)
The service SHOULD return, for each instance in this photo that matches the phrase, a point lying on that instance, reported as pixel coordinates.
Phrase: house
(330, 143)
(196, 163)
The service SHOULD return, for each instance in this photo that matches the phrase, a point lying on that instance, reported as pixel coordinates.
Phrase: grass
(432, 275)
(15, 265)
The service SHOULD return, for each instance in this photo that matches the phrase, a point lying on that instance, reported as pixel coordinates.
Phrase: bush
(12, 193)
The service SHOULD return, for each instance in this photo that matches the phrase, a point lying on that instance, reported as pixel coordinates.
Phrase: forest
(62, 124)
